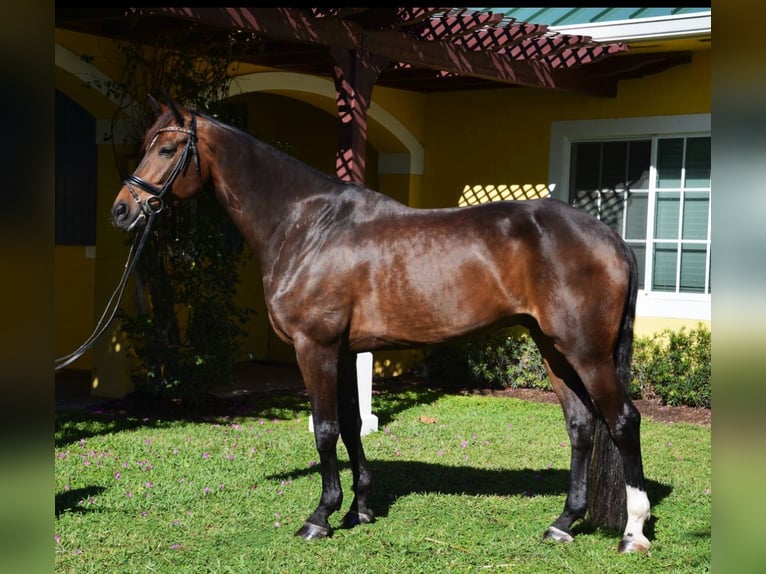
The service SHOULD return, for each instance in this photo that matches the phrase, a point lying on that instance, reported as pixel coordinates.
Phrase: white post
(364, 384)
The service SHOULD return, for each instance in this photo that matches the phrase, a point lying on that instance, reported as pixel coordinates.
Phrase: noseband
(155, 204)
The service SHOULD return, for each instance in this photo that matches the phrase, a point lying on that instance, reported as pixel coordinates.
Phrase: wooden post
(354, 74)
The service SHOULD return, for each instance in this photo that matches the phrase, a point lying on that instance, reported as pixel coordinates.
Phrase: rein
(149, 208)
(103, 322)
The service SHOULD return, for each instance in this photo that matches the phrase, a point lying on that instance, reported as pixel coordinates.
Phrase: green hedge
(672, 366)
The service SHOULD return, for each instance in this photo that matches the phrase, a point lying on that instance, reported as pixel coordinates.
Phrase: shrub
(508, 358)
(673, 366)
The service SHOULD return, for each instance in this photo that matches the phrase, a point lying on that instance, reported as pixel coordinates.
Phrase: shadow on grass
(144, 411)
(397, 479)
(69, 500)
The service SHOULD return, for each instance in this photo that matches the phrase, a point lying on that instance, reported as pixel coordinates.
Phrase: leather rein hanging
(149, 208)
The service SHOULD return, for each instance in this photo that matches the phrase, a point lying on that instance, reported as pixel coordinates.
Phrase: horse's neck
(262, 187)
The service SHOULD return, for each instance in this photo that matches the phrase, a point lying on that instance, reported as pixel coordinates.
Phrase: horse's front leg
(319, 367)
(350, 431)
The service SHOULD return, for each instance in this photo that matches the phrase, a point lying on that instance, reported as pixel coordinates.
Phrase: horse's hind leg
(624, 422)
(350, 431)
(319, 367)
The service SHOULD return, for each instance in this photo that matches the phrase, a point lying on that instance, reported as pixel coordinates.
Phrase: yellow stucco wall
(74, 286)
(502, 136)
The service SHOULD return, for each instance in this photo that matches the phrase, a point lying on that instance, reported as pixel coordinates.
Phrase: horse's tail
(607, 502)
(623, 350)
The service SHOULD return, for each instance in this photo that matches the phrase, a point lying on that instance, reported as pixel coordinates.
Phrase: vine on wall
(186, 329)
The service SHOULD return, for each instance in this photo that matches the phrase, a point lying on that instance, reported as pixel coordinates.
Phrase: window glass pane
(664, 276)
(611, 209)
(640, 250)
(614, 165)
(587, 201)
(666, 216)
(639, 160)
(586, 163)
(696, 208)
(638, 204)
(698, 162)
(669, 161)
(693, 268)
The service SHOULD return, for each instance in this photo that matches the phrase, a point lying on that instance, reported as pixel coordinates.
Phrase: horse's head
(170, 146)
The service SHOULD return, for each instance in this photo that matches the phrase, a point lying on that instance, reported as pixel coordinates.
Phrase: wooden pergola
(418, 49)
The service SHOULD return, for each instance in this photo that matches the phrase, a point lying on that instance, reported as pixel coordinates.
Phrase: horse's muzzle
(126, 218)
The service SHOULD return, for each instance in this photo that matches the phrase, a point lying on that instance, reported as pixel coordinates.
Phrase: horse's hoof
(629, 545)
(557, 534)
(311, 531)
(356, 518)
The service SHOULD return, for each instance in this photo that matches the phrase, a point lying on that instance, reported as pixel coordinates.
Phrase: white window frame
(564, 133)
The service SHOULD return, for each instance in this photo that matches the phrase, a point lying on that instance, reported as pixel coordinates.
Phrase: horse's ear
(157, 107)
(176, 112)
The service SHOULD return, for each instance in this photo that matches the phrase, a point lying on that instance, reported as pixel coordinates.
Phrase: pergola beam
(296, 25)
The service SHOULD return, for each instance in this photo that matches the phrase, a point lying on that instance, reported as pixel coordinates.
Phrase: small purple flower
(205, 455)
(57, 538)
(175, 546)
(207, 490)
(117, 475)
(129, 494)
(149, 485)
(230, 456)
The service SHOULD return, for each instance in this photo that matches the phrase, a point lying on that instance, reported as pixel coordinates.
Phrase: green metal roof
(577, 16)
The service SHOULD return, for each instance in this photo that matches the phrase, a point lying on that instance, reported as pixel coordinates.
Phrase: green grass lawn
(471, 492)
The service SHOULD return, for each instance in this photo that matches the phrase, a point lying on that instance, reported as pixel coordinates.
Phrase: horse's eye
(167, 151)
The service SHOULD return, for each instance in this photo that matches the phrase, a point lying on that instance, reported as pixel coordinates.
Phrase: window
(654, 189)
(75, 174)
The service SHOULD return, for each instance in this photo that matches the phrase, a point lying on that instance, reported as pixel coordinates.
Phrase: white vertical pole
(364, 384)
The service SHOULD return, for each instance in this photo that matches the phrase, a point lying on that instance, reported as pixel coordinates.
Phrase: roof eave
(637, 30)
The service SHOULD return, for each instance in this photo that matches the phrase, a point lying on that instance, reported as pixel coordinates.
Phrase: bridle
(149, 210)
(155, 204)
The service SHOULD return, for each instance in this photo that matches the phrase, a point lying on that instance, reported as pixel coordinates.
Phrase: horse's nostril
(119, 211)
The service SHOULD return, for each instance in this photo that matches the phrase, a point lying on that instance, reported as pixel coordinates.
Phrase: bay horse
(347, 270)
